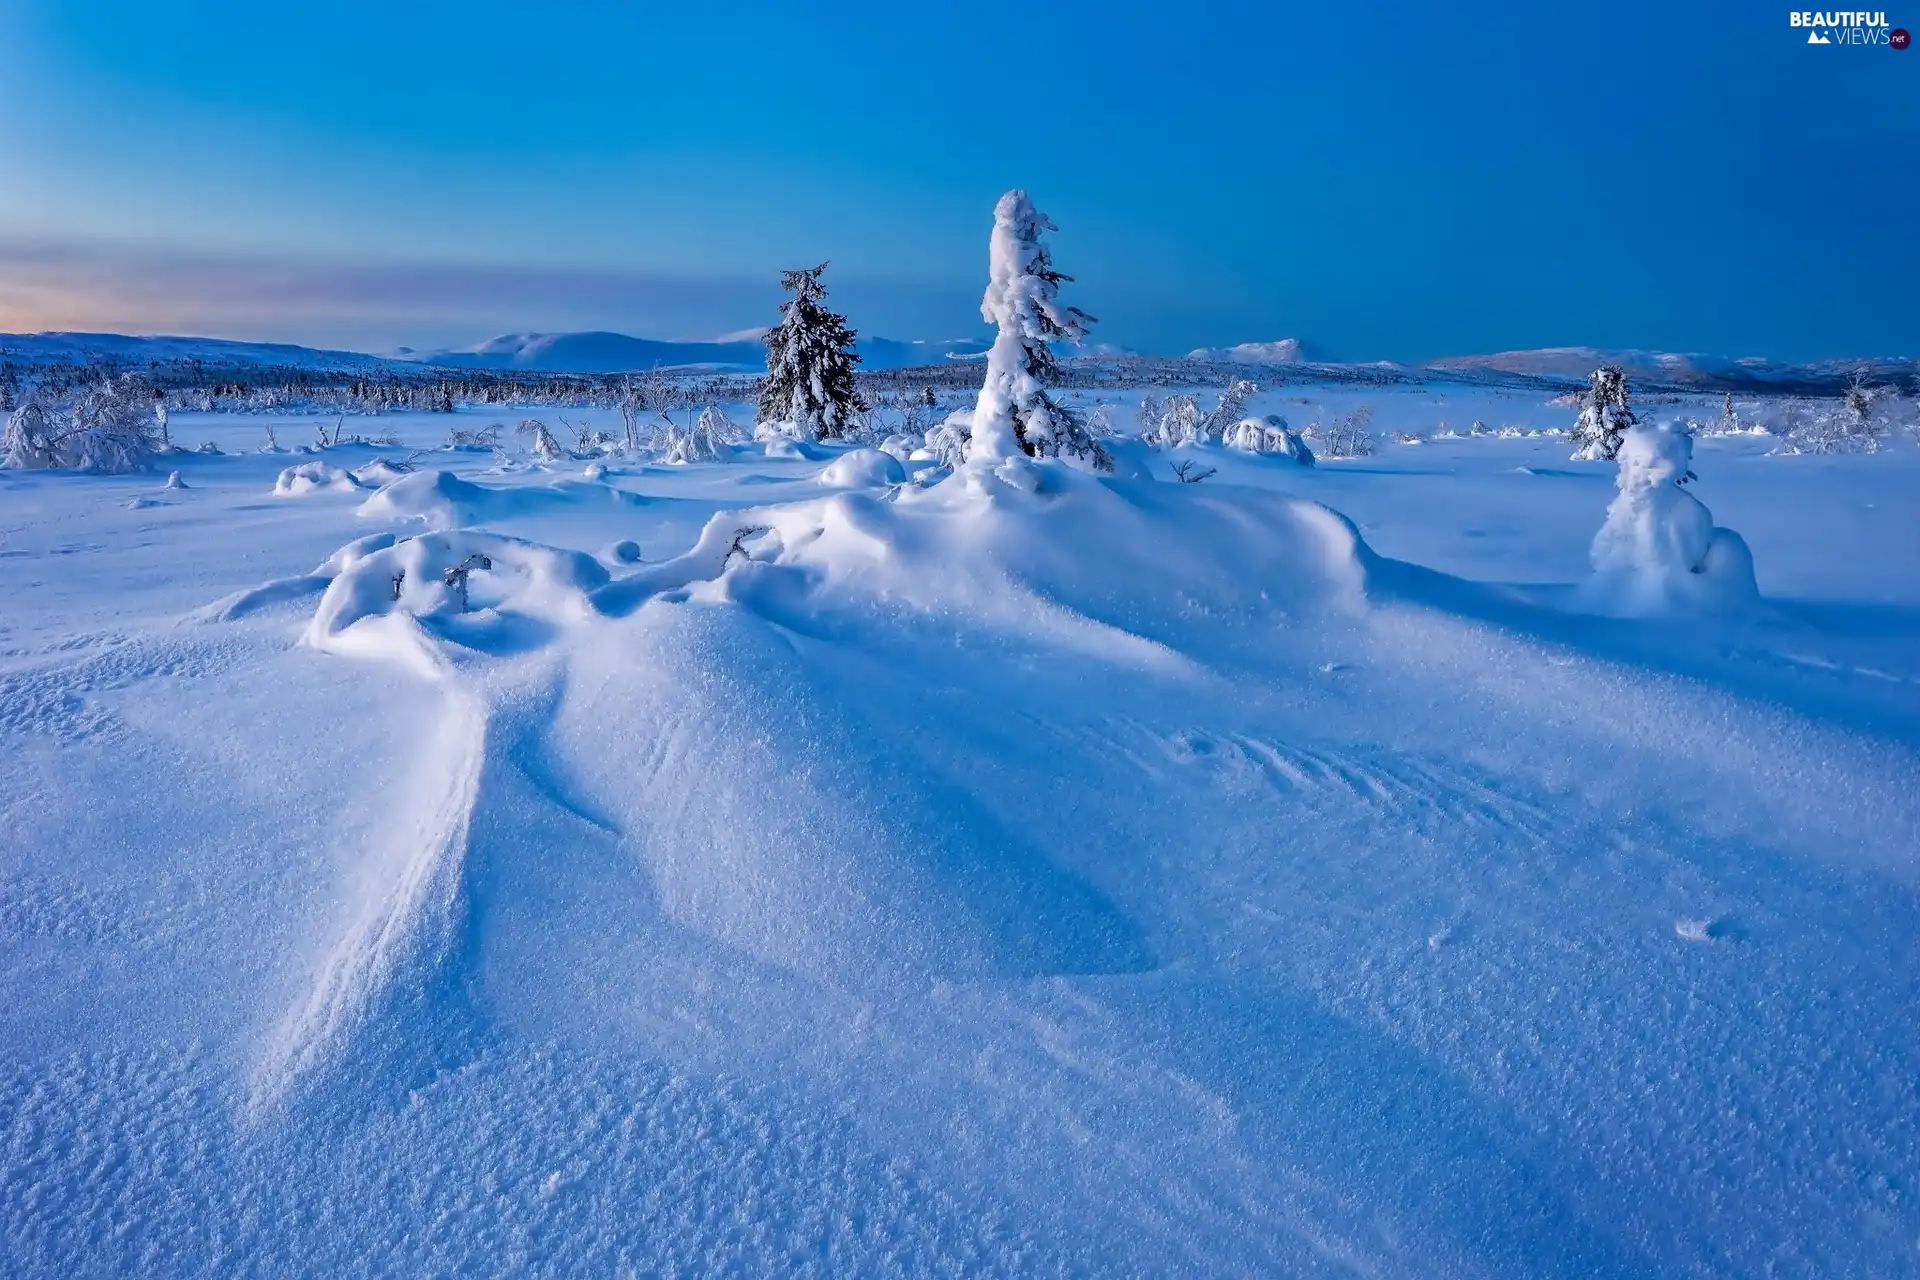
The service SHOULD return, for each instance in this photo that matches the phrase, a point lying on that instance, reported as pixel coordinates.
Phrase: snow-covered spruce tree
(1015, 415)
(1605, 416)
(810, 358)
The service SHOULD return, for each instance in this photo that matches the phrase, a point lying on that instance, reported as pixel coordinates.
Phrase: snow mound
(1120, 569)
(443, 500)
(784, 446)
(1659, 550)
(174, 481)
(863, 469)
(313, 477)
(448, 577)
(379, 472)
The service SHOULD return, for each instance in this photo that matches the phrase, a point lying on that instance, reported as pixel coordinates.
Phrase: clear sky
(1387, 181)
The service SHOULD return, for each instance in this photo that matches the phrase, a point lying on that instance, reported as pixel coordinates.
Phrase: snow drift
(443, 500)
(313, 477)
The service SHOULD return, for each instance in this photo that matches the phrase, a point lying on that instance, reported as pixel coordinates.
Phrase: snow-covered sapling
(708, 438)
(741, 536)
(1350, 436)
(1605, 416)
(1015, 415)
(1659, 548)
(1230, 409)
(545, 447)
(809, 390)
(1187, 471)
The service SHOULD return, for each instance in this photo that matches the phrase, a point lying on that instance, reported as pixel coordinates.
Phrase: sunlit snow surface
(1128, 877)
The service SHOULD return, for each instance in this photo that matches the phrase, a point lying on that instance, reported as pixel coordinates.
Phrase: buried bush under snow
(863, 469)
(1269, 435)
(313, 477)
(1659, 550)
(436, 575)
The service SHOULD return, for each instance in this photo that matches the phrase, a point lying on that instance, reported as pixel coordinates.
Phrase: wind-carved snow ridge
(416, 602)
(1659, 550)
(407, 907)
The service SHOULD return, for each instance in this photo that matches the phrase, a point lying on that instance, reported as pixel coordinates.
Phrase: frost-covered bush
(1350, 436)
(107, 427)
(709, 438)
(1605, 416)
(1269, 435)
(947, 442)
(1179, 420)
(1659, 549)
(545, 447)
(484, 439)
(1859, 423)
(1176, 422)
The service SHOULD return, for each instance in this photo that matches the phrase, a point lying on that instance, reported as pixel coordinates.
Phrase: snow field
(1289, 872)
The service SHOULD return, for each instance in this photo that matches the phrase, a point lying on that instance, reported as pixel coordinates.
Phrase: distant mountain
(599, 352)
(1280, 351)
(1690, 370)
(122, 349)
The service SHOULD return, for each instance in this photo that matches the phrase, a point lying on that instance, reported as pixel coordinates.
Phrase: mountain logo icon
(1814, 37)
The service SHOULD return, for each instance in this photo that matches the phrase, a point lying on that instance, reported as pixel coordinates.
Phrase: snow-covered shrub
(1605, 416)
(1269, 435)
(587, 439)
(1350, 436)
(1659, 549)
(29, 442)
(1179, 420)
(1230, 410)
(108, 427)
(1859, 423)
(1178, 423)
(1015, 414)
(709, 438)
(947, 442)
(481, 439)
(545, 447)
(809, 387)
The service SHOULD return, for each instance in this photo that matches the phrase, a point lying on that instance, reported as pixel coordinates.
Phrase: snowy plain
(1130, 877)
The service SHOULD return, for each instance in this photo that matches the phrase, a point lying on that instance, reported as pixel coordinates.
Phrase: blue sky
(1393, 181)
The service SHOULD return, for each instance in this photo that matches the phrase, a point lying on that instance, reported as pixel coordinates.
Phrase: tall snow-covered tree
(1605, 416)
(1015, 413)
(810, 359)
